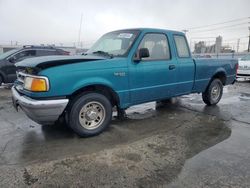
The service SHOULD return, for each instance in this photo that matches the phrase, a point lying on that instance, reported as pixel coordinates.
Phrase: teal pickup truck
(123, 68)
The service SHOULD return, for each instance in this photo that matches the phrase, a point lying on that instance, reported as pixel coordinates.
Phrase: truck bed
(207, 68)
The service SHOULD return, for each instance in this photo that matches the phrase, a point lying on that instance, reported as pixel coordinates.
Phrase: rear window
(182, 46)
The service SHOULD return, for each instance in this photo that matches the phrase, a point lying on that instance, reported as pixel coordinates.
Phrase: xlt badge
(119, 73)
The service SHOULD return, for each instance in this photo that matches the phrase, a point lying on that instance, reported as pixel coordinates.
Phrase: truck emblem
(119, 73)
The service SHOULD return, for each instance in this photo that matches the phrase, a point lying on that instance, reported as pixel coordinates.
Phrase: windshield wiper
(103, 53)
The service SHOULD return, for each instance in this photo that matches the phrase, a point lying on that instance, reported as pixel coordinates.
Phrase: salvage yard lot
(181, 144)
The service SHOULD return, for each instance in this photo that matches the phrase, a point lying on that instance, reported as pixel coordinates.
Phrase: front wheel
(213, 93)
(90, 114)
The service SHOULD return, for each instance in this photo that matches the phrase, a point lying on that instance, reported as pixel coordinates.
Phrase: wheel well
(106, 91)
(221, 76)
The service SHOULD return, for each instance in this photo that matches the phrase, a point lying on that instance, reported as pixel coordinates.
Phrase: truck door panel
(154, 77)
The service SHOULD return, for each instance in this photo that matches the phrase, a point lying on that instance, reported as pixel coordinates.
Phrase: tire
(90, 114)
(213, 93)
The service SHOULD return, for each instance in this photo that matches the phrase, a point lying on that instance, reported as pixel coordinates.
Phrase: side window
(45, 52)
(24, 54)
(182, 46)
(158, 47)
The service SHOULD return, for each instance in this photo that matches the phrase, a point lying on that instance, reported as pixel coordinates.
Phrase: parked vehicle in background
(123, 68)
(8, 59)
(244, 67)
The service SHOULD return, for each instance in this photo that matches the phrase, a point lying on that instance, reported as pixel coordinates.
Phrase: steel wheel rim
(92, 115)
(215, 92)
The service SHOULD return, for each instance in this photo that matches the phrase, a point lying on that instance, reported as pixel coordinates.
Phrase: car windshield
(8, 53)
(116, 43)
(246, 58)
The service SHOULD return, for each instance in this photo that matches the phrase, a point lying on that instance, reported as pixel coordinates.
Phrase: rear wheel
(213, 93)
(90, 114)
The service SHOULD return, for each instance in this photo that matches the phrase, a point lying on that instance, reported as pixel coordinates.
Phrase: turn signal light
(35, 84)
(38, 85)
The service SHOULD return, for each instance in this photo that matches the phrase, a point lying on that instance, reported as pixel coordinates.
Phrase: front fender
(92, 81)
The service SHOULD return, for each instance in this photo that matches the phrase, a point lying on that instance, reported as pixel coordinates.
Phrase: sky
(58, 21)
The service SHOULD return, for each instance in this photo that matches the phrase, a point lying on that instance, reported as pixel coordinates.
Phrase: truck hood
(51, 61)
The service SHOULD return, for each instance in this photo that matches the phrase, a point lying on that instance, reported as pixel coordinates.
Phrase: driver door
(154, 77)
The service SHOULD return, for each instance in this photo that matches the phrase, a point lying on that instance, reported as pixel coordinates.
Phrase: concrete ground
(180, 144)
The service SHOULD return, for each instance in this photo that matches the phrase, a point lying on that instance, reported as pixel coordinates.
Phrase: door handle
(171, 67)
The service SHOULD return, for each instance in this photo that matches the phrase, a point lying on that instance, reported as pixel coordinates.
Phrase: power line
(218, 28)
(241, 37)
(203, 37)
(220, 23)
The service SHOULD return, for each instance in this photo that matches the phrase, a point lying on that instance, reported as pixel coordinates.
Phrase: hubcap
(215, 93)
(92, 115)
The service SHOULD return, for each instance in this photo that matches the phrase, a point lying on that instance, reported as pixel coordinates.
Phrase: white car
(244, 67)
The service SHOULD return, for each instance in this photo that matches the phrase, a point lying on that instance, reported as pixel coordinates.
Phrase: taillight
(66, 53)
(237, 66)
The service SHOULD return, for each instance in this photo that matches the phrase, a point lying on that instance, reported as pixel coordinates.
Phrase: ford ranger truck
(122, 69)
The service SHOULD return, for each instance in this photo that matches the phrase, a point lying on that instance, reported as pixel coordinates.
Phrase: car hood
(51, 61)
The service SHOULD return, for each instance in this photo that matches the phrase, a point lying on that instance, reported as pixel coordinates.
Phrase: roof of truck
(152, 30)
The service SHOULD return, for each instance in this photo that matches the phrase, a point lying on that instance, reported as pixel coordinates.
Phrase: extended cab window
(182, 46)
(158, 47)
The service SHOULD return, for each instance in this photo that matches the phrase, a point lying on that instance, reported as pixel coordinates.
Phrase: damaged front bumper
(41, 111)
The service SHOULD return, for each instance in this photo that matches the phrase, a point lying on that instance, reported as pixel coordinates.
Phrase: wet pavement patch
(181, 143)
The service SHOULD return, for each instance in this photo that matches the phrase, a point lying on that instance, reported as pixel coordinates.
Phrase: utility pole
(190, 45)
(238, 45)
(249, 40)
(185, 31)
(80, 30)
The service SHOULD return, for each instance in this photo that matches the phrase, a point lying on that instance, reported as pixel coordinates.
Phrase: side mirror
(141, 53)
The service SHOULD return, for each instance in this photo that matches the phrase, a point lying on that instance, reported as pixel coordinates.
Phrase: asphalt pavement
(183, 143)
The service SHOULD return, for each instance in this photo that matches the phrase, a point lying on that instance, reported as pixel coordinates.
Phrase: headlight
(36, 83)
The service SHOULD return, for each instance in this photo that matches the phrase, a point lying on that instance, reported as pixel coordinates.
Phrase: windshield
(246, 58)
(116, 43)
(8, 53)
